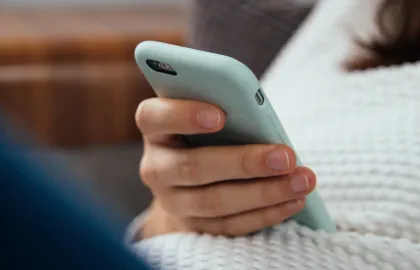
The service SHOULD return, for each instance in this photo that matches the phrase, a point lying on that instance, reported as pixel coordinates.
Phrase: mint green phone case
(232, 86)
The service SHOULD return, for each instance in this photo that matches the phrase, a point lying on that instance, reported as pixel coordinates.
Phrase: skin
(229, 190)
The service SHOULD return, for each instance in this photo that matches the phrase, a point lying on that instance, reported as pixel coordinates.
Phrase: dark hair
(398, 23)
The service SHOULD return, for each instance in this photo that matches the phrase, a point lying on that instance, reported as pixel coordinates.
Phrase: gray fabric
(252, 31)
(113, 171)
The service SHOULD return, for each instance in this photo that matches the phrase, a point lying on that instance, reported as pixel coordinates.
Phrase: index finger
(164, 116)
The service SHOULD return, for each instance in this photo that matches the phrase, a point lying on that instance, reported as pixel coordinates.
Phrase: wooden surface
(69, 76)
(84, 35)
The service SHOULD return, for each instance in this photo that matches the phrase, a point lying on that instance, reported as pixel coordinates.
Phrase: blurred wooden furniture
(69, 76)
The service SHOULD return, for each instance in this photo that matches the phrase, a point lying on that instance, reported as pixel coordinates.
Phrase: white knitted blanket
(360, 133)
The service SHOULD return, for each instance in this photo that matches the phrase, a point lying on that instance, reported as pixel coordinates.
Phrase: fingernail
(209, 118)
(294, 205)
(299, 182)
(279, 160)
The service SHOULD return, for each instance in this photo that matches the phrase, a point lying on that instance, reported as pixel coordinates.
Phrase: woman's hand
(229, 190)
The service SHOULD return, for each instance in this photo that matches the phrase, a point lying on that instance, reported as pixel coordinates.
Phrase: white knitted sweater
(360, 133)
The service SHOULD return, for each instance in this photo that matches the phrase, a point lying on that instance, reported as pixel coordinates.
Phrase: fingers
(159, 116)
(229, 190)
(206, 165)
(248, 222)
(230, 198)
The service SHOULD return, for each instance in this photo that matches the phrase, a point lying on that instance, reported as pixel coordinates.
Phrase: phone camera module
(161, 67)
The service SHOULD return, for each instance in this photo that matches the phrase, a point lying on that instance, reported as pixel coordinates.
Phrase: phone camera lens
(153, 64)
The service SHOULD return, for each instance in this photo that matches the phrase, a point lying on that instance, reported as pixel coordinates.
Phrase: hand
(229, 190)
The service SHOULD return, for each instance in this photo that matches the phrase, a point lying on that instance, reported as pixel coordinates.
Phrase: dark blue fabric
(44, 226)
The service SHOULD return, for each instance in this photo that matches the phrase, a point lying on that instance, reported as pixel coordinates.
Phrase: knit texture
(360, 132)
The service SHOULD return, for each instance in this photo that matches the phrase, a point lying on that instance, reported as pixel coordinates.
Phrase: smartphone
(183, 73)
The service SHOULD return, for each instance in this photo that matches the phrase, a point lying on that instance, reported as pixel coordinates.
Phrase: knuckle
(271, 192)
(189, 204)
(208, 203)
(197, 225)
(188, 168)
(227, 227)
(247, 158)
(148, 172)
(191, 224)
